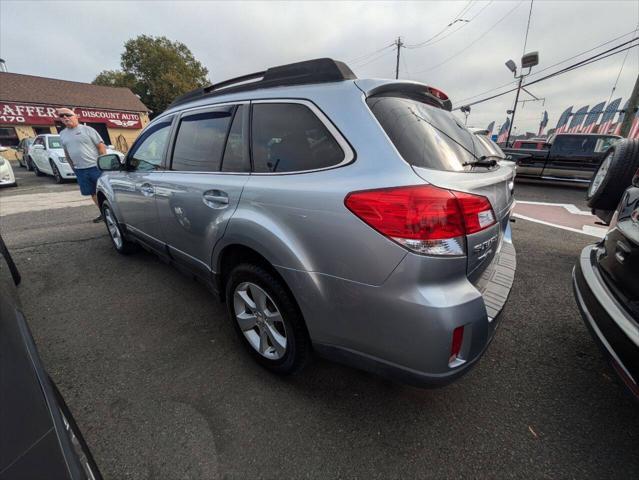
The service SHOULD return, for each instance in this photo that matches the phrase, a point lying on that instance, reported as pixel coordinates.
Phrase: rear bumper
(609, 323)
(403, 329)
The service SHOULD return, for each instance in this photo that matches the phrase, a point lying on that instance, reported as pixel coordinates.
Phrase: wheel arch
(236, 254)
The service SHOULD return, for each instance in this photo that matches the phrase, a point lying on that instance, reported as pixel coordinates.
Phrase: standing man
(82, 146)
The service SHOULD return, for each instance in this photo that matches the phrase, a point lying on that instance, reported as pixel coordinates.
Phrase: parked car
(22, 151)
(614, 174)
(46, 156)
(570, 157)
(357, 219)
(531, 144)
(606, 286)
(7, 177)
(40, 438)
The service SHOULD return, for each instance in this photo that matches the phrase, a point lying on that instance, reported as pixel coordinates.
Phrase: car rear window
(288, 137)
(427, 136)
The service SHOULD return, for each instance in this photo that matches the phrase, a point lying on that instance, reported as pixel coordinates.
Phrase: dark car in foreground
(38, 435)
(606, 286)
(566, 157)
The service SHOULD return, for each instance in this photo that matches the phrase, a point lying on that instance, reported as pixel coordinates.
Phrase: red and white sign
(24, 114)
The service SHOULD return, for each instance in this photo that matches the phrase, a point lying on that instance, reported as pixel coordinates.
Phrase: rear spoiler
(417, 91)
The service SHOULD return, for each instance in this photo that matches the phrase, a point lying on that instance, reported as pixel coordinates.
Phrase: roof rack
(320, 70)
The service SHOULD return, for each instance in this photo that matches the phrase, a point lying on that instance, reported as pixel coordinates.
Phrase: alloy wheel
(600, 175)
(114, 230)
(260, 321)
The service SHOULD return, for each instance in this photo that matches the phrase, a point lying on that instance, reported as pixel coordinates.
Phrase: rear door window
(427, 136)
(199, 143)
(288, 137)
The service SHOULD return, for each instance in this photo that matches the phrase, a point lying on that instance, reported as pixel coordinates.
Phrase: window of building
(235, 153)
(288, 137)
(8, 137)
(41, 130)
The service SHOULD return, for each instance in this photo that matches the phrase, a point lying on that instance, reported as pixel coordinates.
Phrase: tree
(157, 70)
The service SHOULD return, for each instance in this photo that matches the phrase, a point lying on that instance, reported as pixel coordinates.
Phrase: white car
(46, 156)
(7, 178)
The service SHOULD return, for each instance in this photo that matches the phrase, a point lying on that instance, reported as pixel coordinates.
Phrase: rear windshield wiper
(484, 161)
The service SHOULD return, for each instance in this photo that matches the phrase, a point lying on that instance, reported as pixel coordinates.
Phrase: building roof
(18, 88)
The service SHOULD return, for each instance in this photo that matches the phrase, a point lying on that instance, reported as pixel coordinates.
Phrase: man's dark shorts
(87, 179)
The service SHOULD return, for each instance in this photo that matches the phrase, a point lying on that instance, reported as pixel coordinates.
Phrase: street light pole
(528, 60)
(512, 118)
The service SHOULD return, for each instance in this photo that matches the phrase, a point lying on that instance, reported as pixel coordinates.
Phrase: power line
(363, 57)
(474, 41)
(383, 54)
(527, 27)
(582, 63)
(550, 66)
(423, 44)
(614, 87)
(453, 21)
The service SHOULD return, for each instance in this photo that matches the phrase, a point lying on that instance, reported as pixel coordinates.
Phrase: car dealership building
(28, 104)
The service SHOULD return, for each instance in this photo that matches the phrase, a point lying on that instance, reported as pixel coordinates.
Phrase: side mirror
(547, 145)
(109, 162)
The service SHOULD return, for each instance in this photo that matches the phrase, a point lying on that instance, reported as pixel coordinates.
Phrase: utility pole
(629, 116)
(399, 46)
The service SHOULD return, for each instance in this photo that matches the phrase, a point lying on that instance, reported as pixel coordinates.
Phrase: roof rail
(320, 70)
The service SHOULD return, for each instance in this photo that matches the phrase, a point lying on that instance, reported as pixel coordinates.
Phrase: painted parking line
(560, 215)
(33, 202)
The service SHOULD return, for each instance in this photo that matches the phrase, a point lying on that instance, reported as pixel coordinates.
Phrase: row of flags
(595, 120)
(584, 121)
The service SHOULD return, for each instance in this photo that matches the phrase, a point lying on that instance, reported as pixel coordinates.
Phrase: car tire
(119, 241)
(36, 170)
(56, 173)
(28, 164)
(267, 319)
(614, 175)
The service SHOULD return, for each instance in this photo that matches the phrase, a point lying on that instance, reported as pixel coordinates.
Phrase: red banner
(24, 114)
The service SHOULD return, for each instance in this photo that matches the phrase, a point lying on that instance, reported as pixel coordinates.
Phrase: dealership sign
(24, 114)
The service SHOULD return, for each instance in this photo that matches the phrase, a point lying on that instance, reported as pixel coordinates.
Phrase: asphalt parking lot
(161, 388)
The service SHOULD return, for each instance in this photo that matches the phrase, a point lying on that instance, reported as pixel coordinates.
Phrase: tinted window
(427, 136)
(39, 141)
(574, 144)
(528, 145)
(288, 137)
(200, 141)
(148, 151)
(235, 154)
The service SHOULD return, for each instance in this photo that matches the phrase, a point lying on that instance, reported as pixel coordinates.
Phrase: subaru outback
(354, 219)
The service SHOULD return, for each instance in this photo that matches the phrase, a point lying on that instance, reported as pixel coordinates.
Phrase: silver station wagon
(354, 219)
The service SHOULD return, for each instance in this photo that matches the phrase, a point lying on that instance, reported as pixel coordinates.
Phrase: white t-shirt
(81, 143)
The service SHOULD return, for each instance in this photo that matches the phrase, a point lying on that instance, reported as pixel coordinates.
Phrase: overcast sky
(76, 40)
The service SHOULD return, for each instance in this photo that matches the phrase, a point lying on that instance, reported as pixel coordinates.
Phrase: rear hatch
(444, 153)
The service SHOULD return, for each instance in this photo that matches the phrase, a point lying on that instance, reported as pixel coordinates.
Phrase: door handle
(216, 198)
(147, 189)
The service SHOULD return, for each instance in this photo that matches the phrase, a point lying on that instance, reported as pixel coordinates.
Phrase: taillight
(424, 218)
